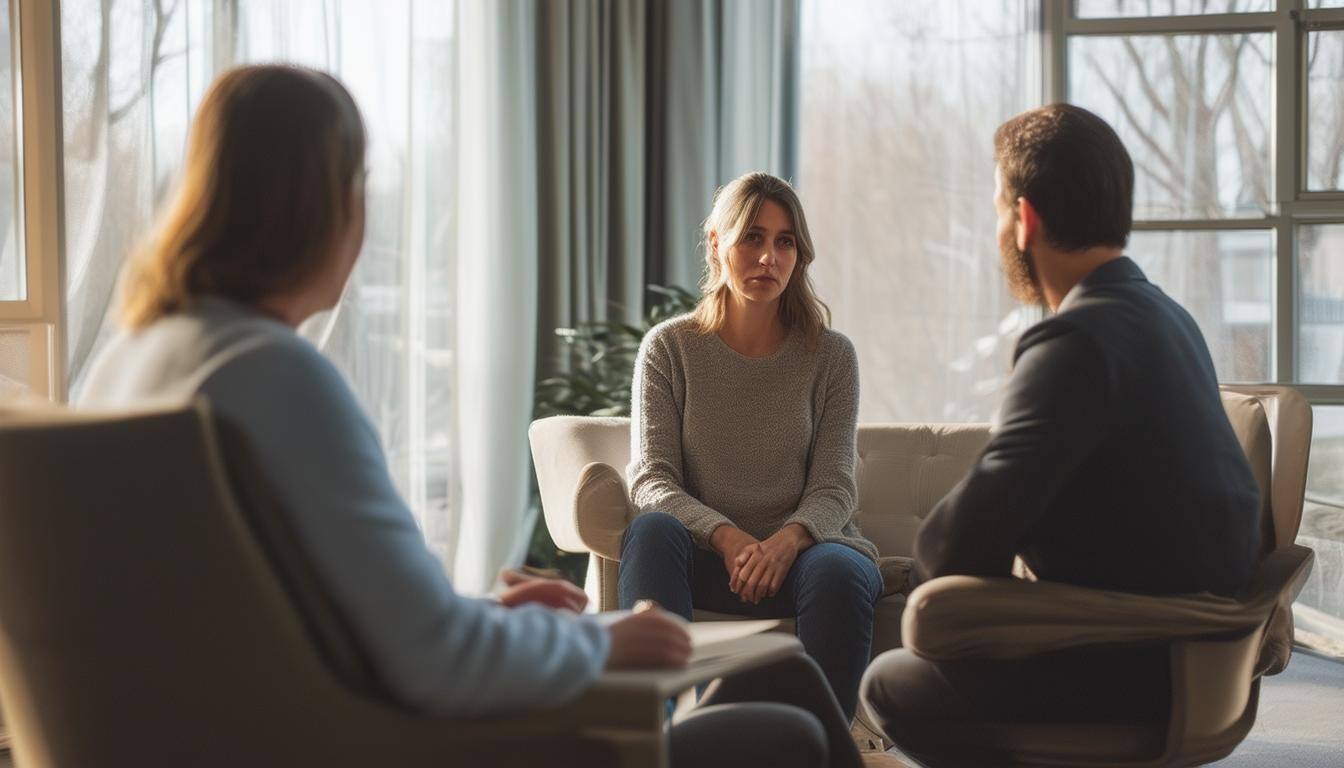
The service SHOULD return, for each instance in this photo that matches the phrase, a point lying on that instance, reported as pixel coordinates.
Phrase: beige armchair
(155, 610)
(1218, 647)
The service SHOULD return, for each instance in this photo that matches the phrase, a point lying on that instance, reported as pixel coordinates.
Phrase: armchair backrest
(1273, 425)
(126, 565)
(152, 611)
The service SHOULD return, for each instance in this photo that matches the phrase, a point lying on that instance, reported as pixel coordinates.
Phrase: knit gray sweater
(720, 438)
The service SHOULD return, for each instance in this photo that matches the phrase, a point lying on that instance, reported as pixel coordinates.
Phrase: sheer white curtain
(134, 71)
(497, 282)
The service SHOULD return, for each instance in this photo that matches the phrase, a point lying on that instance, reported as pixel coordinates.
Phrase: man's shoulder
(1057, 327)
(1112, 318)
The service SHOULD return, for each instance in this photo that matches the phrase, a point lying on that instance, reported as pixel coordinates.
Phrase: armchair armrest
(602, 510)
(958, 617)
(564, 452)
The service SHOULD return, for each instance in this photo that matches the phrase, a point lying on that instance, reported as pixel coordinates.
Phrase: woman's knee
(657, 530)
(836, 573)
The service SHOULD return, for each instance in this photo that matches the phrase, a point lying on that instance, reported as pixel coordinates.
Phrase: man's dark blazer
(1113, 465)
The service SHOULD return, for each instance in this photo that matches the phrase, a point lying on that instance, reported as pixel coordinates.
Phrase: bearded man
(1112, 464)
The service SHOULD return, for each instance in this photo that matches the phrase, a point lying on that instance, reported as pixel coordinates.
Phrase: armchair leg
(608, 571)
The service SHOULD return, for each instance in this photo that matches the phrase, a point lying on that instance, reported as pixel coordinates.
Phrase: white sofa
(903, 470)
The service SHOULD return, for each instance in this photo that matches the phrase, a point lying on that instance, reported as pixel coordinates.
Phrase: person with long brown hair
(263, 231)
(743, 445)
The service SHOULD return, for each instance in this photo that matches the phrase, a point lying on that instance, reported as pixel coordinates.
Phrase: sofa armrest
(960, 617)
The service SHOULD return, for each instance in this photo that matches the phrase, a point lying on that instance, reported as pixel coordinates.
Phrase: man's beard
(1021, 276)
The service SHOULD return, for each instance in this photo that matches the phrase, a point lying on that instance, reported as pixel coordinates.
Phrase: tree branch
(1144, 136)
(1149, 90)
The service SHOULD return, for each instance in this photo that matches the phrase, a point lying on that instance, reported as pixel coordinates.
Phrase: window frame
(35, 26)
(1290, 22)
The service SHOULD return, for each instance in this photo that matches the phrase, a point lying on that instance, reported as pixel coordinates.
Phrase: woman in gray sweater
(743, 445)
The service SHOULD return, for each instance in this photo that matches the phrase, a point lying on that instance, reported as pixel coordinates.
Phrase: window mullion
(1209, 24)
(1055, 50)
(38, 106)
(1288, 140)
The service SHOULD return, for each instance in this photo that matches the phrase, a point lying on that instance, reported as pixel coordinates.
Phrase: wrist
(798, 536)
(721, 537)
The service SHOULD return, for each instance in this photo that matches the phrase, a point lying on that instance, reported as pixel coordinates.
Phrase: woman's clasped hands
(757, 569)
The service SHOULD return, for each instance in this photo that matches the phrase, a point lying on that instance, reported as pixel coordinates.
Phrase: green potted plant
(597, 384)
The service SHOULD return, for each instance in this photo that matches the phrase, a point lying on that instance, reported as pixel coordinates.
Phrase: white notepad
(709, 639)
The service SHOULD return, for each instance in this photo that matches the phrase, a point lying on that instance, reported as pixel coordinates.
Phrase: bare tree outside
(1195, 111)
(123, 67)
(1121, 8)
(1325, 110)
(900, 102)
(133, 72)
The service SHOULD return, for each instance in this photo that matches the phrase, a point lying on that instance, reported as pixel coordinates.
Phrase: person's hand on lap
(730, 542)
(552, 593)
(761, 568)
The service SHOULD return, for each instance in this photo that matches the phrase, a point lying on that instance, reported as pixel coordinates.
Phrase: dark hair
(1075, 171)
(274, 155)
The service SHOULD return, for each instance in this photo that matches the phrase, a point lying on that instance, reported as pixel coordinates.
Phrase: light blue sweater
(434, 649)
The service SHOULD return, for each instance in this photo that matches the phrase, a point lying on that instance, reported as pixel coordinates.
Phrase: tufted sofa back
(903, 470)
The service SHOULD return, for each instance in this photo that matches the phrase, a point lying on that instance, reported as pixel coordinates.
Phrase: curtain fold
(644, 110)
(498, 252)
(723, 85)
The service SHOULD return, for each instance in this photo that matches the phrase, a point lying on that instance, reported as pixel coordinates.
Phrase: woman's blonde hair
(273, 160)
(735, 207)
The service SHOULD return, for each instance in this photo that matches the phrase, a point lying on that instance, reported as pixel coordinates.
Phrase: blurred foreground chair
(154, 610)
(1219, 648)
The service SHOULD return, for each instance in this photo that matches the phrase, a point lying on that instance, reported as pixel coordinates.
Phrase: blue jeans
(830, 590)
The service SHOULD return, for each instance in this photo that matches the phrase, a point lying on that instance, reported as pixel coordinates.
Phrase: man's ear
(1028, 224)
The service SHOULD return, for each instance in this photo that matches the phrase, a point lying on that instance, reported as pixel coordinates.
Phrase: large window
(1233, 113)
(899, 104)
(29, 301)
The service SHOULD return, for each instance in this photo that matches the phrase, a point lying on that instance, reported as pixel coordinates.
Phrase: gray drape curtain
(644, 108)
(593, 135)
(723, 85)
